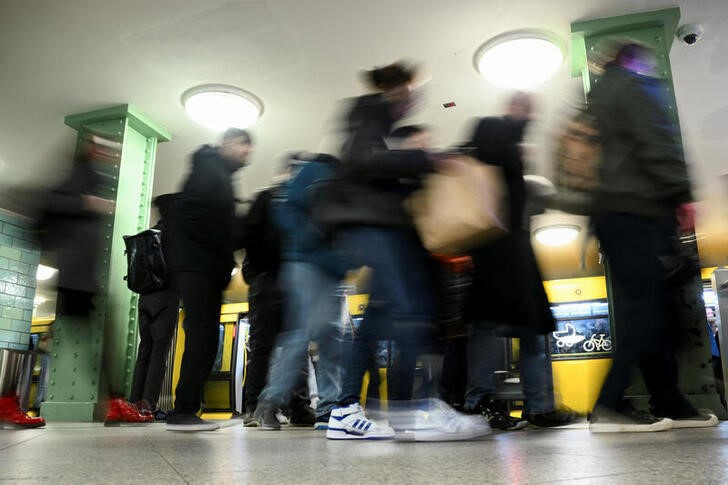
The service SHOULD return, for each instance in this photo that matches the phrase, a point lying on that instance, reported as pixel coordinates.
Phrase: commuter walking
(201, 248)
(507, 297)
(261, 268)
(311, 271)
(377, 232)
(642, 200)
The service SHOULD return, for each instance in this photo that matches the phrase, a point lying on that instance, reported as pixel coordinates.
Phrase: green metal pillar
(94, 357)
(656, 29)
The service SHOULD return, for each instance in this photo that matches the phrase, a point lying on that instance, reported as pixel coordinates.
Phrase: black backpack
(146, 268)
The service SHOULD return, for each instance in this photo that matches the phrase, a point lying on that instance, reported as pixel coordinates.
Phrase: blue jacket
(302, 240)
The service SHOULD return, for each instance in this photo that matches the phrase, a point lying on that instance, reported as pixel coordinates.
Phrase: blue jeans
(535, 369)
(311, 312)
(401, 305)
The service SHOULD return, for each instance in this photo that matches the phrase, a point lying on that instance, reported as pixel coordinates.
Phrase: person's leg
(286, 371)
(536, 375)
(265, 323)
(482, 357)
(202, 299)
(453, 381)
(144, 353)
(325, 329)
(162, 332)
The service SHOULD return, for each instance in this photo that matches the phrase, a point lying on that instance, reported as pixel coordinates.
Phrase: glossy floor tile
(90, 453)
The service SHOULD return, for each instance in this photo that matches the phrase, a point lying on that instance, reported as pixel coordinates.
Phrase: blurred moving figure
(311, 271)
(643, 198)
(70, 232)
(508, 298)
(261, 268)
(158, 314)
(200, 251)
(377, 232)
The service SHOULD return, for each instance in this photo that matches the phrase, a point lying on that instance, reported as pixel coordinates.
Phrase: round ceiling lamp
(520, 59)
(218, 107)
(557, 235)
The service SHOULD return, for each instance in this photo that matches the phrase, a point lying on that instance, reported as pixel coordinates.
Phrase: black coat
(202, 227)
(507, 284)
(374, 181)
(71, 233)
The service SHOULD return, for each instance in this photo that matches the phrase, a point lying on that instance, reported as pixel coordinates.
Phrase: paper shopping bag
(461, 209)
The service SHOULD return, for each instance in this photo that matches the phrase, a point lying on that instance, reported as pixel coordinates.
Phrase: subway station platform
(90, 453)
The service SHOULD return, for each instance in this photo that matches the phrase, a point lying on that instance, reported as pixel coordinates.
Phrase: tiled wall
(19, 257)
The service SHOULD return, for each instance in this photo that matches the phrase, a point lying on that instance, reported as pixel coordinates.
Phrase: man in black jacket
(200, 260)
(642, 198)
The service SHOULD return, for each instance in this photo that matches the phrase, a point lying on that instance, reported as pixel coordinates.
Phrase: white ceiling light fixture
(218, 106)
(557, 235)
(520, 59)
(44, 272)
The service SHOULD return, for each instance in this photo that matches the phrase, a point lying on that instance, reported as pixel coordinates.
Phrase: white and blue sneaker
(350, 423)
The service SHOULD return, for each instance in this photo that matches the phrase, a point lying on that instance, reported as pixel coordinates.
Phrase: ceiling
(301, 58)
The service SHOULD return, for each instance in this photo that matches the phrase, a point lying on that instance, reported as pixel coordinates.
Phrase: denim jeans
(401, 305)
(312, 312)
(535, 369)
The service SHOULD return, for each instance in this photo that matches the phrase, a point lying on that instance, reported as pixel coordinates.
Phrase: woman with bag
(508, 298)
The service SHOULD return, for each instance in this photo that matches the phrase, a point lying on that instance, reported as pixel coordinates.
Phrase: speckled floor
(90, 453)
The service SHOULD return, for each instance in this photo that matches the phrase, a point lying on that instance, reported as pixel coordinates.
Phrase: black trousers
(158, 313)
(266, 320)
(201, 295)
(639, 254)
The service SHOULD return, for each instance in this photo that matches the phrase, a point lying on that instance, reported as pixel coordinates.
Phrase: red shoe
(12, 416)
(122, 411)
(143, 407)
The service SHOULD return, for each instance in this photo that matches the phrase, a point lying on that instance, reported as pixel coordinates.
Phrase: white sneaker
(700, 420)
(438, 422)
(350, 423)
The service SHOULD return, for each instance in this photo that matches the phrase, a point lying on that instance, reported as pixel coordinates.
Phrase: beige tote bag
(461, 209)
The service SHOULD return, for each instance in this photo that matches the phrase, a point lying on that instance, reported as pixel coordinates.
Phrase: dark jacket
(507, 283)
(72, 233)
(262, 242)
(374, 180)
(202, 227)
(643, 169)
(302, 239)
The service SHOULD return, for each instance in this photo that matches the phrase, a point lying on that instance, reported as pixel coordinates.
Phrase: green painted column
(94, 358)
(656, 29)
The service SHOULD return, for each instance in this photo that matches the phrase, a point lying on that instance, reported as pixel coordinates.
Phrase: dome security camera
(690, 34)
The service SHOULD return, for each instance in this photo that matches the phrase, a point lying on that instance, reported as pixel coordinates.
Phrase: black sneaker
(302, 417)
(267, 419)
(498, 418)
(605, 420)
(250, 420)
(189, 423)
(160, 415)
(322, 422)
(552, 419)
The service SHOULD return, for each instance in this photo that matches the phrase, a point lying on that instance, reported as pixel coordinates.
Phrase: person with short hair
(202, 240)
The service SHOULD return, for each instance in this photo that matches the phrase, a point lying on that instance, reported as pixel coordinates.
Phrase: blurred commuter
(200, 254)
(70, 236)
(507, 297)
(642, 200)
(311, 271)
(377, 232)
(261, 268)
(158, 314)
(70, 233)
